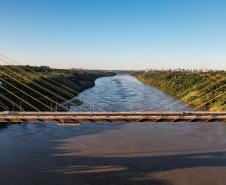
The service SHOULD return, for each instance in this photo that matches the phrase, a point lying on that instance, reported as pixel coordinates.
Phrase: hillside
(29, 87)
(192, 87)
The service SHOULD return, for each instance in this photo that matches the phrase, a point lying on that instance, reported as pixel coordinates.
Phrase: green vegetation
(193, 87)
(24, 86)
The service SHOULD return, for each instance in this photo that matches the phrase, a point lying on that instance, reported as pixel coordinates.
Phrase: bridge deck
(79, 117)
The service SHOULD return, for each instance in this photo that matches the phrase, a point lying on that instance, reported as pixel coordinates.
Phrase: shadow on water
(3, 126)
(130, 170)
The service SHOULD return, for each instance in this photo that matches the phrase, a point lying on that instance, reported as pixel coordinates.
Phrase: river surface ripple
(126, 93)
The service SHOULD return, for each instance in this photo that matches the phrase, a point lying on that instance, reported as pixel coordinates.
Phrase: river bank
(192, 87)
(28, 87)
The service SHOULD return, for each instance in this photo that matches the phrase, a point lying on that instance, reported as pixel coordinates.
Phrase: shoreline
(43, 88)
(178, 83)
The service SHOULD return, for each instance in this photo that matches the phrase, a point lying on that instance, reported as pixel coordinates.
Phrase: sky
(115, 34)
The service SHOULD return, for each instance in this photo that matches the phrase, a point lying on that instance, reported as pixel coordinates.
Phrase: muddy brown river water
(115, 153)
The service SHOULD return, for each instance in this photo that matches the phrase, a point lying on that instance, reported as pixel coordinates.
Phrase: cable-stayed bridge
(76, 118)
(56, 105)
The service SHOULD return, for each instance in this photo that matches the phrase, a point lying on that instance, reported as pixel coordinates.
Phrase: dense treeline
(193, 87)
(28, 87)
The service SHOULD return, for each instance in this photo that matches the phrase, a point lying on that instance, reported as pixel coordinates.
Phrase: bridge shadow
(2, 126)
(127, 170)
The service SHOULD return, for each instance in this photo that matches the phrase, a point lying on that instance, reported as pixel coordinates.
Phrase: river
(115, 153)
(126, 93)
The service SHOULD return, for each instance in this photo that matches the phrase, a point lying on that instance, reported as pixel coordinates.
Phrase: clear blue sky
(115, 34)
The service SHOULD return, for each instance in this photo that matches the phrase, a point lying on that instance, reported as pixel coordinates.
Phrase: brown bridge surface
(64, 118)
